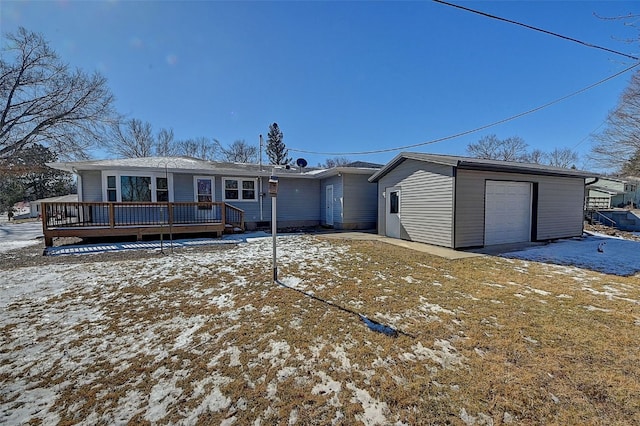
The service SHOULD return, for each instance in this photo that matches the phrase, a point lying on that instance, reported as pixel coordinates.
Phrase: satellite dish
(301, 162)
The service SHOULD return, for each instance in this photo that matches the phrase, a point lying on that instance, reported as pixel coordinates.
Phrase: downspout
(261, 195)
(595, 180)
(586, 199)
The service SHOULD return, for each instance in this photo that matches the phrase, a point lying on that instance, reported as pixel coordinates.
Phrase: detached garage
(461, 202)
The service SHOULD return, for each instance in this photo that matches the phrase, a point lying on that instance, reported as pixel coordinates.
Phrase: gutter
(595, 180)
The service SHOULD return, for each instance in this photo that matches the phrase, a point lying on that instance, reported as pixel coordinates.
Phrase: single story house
(460, 202)
(145, 195)
(36, 206)
(608, 192)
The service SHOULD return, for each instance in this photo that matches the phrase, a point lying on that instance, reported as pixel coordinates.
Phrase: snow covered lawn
(204, 336)
(616, 255)
(15, 236)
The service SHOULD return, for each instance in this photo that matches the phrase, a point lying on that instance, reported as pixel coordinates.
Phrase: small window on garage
(394, 202)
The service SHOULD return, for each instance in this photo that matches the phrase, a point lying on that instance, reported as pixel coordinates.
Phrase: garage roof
(468, 163)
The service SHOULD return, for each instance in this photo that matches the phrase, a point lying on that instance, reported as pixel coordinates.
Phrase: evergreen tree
(276, 150)
(26, 177)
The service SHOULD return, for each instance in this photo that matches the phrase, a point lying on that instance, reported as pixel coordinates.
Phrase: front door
(392, 208)
(204, 193)
(328, 211)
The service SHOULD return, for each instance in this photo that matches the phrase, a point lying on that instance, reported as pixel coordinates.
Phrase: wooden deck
(83, 220)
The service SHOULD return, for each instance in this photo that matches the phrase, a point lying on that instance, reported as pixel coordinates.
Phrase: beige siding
(426, 201)
(559, 205)
(560, 208)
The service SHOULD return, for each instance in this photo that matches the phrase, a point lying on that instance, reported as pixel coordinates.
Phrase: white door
(507, 212)
(328, 212)
(204, 193)
(392, 209)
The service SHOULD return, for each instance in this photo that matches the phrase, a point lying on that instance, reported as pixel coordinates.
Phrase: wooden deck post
(48, 239)
(112, 216)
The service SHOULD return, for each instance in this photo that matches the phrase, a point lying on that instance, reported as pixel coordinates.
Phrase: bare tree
(617, 147)
(165, 145)
(43, 102)
(513, 149)
(537, 156)
(201, 147)
(239, 152)
(335, 162)
(131, 139)
(562, 157)
(491, 148)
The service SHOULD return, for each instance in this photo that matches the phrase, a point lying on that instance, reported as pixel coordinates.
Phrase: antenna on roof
(301, 162)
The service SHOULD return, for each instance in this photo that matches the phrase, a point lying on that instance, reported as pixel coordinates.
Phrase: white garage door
(507, 212)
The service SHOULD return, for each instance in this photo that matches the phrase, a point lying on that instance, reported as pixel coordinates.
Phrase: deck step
(230, 229)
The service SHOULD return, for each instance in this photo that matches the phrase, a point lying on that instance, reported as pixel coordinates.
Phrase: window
(231, 189)
(394, 204)
(131, 186)
(204, 192)
(162, 190)
(112, 193)
(135, 188)
(239, 189)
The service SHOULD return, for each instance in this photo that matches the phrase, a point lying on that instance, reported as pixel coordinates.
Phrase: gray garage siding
(559, 211)
(560, 208)
(359, 203)
(426, 201)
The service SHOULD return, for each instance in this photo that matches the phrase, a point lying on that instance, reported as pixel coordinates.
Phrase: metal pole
(161, 230)
(273, 233)
(169, 215)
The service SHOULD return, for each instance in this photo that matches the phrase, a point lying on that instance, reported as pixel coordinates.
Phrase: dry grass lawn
(205, 337)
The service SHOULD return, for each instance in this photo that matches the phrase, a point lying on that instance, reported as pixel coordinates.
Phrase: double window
(237, 189)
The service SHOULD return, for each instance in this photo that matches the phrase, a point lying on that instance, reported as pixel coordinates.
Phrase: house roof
(468, 163)
(195, 165)
(72, 198)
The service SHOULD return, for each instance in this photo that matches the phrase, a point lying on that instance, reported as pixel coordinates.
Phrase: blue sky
(345, 76)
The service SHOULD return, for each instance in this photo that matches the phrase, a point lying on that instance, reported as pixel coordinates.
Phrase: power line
(635, 58)
(589, 135)
(477, 129)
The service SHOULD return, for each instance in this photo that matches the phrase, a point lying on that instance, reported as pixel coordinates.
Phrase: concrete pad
(500, 249)
(443, 252)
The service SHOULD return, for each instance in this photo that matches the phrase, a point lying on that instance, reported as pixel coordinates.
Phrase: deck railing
(127, 214)
(596, 203)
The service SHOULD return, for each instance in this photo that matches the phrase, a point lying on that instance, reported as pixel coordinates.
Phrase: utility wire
(635, 58)
(589, 135)
(477, 129)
